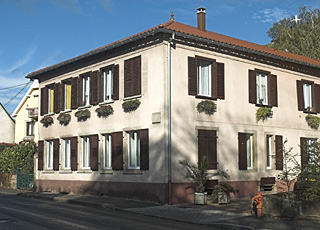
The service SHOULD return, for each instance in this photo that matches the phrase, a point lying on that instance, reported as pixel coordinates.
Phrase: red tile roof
(193, 31)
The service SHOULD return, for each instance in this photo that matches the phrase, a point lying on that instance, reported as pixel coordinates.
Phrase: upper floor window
(109, 87)
(85, 90)
(29, 128)
(66, 92)
(50, 99)
(132, 77)
(205, 78)
(308, 94)
(263, 88)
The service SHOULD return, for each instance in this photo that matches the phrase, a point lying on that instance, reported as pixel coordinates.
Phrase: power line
(15, 86)
(25, 85)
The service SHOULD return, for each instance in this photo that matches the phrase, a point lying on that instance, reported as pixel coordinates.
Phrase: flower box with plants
(130, 106)
(46, 121)
(208, 107)
(313, 121)
(83, 115)
(64, 119)
(199, 174)
(104, 111)
(263, 113)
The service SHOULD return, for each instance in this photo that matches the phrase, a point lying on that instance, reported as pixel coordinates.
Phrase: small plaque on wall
(156, 118)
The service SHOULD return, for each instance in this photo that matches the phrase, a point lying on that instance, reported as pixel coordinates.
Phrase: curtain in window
(307, 96)
(204, 79)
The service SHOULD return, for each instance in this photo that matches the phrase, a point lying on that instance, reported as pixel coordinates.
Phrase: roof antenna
(172, 18)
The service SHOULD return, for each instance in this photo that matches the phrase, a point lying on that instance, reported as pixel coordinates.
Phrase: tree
(301, 37)
(19, 156)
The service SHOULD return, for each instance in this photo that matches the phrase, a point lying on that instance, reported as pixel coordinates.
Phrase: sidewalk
(235, 215)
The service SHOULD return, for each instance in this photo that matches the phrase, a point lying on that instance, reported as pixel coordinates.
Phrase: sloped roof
(173, 26)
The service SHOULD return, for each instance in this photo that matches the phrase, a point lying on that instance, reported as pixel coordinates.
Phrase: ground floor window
(107, 149)
(85, 153)
(66, 153)
(133, 150)
(49, 159)
(269, 151)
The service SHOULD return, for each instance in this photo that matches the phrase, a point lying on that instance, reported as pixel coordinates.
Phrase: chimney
(201, 14)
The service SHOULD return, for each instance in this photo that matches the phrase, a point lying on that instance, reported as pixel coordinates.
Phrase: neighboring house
(136, 154)
(26, 115)
(7, 126)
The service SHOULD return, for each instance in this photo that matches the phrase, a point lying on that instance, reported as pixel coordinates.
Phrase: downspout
(169, 119)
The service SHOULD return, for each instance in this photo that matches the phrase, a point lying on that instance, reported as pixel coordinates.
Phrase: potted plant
(46, 121)
(64, 119)
(200, 176)
(313, 121)
(206, 106)
(83, 115)
(130, 106)
(222, 193)
(104, 111)
(263, 113)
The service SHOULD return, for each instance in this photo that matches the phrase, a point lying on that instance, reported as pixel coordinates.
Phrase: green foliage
(224, 188)
(19, 156)
(207, 107)
(64, 119)
(313, 121)
(199, 173)
(299, 38)
(104, 111)
(83, 115)
(132, 105)
(46, 121)
(263, 113)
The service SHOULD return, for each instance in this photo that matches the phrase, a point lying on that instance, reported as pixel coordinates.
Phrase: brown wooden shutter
(317, 97)
(94, 150)
(207, 147)
(300, 95)
(74, 153)
(272, 90)
(40, 155)
(303, 151)
(192, 76)
(214, 80)
(132, 77)
(117, 151)
(44, 101)
(127, 78)
(136, 76)
(220, 80)
(279, 152)
(74, 93)
(57, 93)
(63, 96)
(144, 149)
(101, 86)
(252, 87)
(242, 141)
(115, 86)
(80, 92)
(94, 79)
(56, 154)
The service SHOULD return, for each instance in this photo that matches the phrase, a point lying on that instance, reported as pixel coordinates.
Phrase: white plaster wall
(7, 127)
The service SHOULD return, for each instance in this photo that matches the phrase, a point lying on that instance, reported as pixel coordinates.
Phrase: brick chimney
(201, 15)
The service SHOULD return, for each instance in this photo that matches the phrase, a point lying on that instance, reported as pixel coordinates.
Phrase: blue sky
(39, 33)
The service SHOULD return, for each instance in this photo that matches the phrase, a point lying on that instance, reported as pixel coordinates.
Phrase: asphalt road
(17, 212)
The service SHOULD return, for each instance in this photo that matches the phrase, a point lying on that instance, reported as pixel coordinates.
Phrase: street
(17, 212)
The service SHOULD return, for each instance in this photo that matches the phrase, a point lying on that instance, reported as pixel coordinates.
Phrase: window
(134, 150)
(107, 83)
(246, 151)
(49, 155)
(138, 149)
(207, 147)
(84, 90)
(30, 128)
(85, 153)
(107, 150)
(205, 78)
(307, 146)
(67, 154)
(269, 151)
(262, 91)
(132, 77)
(109, 89)
(66, 92)
(308, 96)
(263, 88)
(50, 100)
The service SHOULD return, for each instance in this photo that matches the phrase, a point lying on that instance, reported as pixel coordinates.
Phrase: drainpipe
(169, 118)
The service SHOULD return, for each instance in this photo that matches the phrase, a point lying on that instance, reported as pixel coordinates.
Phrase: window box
(263, 113)
(208, 107)
(313, 121)
(130, 106)
(83, 115)
(64, 119)
(46, 121)
(104, 111)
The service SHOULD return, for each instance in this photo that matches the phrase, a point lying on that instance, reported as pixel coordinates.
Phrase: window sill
(84, 107)
(66, 111)
(309, 112)
(48, 114)
(132, 172)
(106, 102)
(48, 171)
(132, 97)
(84, 171)
(106, 171)
(65, 171)
(205, 97)
(262, 105)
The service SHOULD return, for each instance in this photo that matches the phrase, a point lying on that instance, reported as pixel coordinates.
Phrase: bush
(19, 156)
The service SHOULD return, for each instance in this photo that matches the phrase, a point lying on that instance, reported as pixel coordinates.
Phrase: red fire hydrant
(258, 199)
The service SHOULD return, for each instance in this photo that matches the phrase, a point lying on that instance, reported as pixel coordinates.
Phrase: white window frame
(86, 90)
(67, 154)
(269, 151)
(49, 156)
(260, 79)
(85, 152)
(307, 94)
(107, 151)
(250, 152)
(107, 85)
(201, 64)
(133, 150)
(29, 124)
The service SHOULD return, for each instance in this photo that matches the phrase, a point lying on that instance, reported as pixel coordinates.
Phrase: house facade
(148, 87)
(26, 116)
(7, 126)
